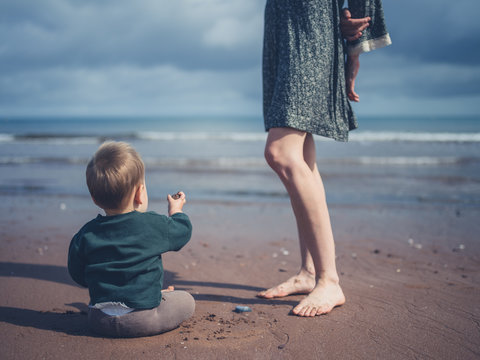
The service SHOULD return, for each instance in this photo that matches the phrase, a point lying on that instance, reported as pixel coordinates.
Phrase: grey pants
(175, 307)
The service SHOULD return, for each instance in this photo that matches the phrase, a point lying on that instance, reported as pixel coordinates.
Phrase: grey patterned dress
(303, 63)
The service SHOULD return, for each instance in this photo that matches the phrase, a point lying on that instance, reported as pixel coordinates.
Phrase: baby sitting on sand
(118, 256)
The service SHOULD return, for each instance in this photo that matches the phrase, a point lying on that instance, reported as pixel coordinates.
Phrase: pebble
(412, 243)
(240, 309)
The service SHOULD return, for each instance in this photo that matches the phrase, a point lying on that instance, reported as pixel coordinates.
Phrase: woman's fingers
(346, 13)
(354, 37)
(352, 28)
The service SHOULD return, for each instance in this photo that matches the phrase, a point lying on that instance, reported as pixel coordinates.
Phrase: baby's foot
(352, 67)
(321, 300)
(302, 283)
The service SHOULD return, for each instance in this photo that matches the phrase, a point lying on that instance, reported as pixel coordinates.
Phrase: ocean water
(388, 160)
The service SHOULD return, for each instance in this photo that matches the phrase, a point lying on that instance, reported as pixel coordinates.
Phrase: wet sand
(410, 275)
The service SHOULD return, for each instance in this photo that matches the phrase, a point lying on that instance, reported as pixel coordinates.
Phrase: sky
(203, 57)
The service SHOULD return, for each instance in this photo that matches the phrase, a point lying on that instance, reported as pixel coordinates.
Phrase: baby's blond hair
(113, 173)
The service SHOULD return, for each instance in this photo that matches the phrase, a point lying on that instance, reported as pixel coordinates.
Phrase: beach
(405, 219)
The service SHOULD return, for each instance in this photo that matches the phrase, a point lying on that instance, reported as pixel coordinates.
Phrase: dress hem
(341, 137)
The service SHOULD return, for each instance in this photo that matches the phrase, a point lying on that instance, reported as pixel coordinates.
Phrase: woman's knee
(281, 159)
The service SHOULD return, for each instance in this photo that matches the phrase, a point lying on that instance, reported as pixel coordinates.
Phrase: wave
(63, 139)
(356, 136)
(53, 139)
(413, 161)
(220, 162)
(150, 162)
(380, 136)
(248, 163)
(6, 138)
(201, 136)
(24, 160)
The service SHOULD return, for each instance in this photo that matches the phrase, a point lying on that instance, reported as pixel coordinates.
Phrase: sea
(389, 160)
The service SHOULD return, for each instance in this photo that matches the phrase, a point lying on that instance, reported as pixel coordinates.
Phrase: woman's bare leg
(291, 154)
(304, 281)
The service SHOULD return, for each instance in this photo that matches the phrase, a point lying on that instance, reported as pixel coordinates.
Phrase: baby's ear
(138, 194)
(94, 201)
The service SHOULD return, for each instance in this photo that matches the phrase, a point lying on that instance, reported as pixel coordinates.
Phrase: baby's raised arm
(176, 202)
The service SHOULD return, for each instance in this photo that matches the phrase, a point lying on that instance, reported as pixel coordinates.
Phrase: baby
(119, 256)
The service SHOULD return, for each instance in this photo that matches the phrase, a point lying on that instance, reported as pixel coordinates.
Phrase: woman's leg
(291, 154)
(304, 281)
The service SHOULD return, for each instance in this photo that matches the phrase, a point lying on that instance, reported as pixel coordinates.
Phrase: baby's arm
(176, 202)
(76, 267)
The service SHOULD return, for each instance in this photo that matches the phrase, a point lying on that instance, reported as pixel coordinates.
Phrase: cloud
(231, 32)
(395, 84)
(204, 56)
(416, 78)
(128, 90)
(144, 33)
(433, 31)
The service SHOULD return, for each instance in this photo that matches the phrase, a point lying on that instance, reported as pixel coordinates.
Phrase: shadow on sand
(75, 322)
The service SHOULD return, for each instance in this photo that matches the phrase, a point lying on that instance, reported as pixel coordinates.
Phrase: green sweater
(119, 257)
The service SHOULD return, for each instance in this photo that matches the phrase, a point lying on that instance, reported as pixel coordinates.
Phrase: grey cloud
(144, 33)
(435, 31)
(130, 90)
(400, 76)
(204, 56)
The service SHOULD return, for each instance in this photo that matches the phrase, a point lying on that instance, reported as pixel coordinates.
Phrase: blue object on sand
(240, 309)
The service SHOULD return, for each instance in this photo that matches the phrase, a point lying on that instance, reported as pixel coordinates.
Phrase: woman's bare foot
(321, 300)
(352, 67)
(302, 283)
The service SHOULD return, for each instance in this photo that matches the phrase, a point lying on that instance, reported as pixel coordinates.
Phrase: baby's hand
(176, 202)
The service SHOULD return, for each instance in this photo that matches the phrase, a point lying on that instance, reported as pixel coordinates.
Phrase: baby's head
(113, 174)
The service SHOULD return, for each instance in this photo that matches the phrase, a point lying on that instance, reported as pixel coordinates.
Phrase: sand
(410, 275)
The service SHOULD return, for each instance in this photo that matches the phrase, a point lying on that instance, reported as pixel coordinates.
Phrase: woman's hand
(352, 28)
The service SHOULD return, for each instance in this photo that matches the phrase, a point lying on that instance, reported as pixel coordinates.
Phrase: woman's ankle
(328, 278)
(307, 272)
